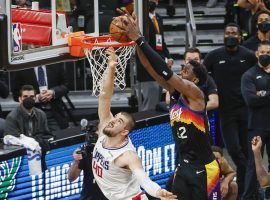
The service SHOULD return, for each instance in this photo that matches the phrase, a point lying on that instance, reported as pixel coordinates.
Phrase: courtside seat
(36, 25)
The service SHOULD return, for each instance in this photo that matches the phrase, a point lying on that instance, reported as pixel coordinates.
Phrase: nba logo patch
(17, 37)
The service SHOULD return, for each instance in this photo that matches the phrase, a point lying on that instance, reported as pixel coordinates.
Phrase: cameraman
(82, 161)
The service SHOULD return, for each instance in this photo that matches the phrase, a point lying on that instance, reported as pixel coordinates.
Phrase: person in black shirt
(255, 87)
(262, 20)
(226, 65)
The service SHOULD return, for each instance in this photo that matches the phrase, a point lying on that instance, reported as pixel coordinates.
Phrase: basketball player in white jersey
(116, 165)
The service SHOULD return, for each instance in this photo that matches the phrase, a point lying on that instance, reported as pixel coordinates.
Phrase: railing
(190, 26)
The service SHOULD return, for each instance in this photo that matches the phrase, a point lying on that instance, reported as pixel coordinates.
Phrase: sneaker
(211, 3)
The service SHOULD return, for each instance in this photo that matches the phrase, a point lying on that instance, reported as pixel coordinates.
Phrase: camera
(90, 132)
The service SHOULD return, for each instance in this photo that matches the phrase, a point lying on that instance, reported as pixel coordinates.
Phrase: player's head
(217, 151)
(194, 72)
(192, 53)
(121, 124)
(232, 35)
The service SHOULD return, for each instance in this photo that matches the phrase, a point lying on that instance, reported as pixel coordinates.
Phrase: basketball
(116, 30)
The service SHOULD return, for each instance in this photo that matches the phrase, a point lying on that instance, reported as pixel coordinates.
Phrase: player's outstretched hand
(112, 60)
(166, 195)
(256, 144)
(131, 27)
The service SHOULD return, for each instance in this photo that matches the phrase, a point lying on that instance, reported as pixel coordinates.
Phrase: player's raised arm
(174, 82)
(104, 101)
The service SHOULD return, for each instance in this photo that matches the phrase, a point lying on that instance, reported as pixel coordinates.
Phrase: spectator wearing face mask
(262, 20)
(256, 92)
(226, 65)
(26, 119)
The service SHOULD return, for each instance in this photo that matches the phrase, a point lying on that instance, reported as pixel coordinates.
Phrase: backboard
(36, 33)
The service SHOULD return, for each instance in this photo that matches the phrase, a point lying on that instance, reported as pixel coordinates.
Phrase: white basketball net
(98, 63)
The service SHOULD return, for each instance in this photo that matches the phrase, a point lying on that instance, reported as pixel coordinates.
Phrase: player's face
(192, 56)
(116, 126)
(187, 73)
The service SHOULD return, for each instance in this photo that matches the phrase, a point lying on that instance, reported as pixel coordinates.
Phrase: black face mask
(264, 27)
(152, 6)
(264, 60)
(231, 41)
(28, 103)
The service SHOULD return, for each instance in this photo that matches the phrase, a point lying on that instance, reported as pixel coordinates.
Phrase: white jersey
(116, 183)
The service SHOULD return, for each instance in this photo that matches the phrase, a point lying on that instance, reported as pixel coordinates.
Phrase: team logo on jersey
(175, 113)
(101, 160)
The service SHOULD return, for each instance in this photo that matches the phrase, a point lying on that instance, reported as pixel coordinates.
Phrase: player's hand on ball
(130, 27)
(165, 195)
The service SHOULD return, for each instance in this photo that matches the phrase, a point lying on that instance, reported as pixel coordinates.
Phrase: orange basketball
(116, 30)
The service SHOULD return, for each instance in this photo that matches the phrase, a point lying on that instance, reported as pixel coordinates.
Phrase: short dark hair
(131, 121)
(200, 72)
(260, 13)
(217, 149)
(265, 42)
(231, 24)
(27, 88)
(192, 50)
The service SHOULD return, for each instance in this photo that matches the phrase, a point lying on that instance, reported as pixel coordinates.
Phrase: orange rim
(102, 41)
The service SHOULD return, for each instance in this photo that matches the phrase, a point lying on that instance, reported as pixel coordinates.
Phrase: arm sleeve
(146, 183)
(158, 64)
(248, 89)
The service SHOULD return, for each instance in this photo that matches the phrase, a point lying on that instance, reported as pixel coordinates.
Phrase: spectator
(149, 87)
(30, 121)
(51, 84)
(226, 65)
(4, 92)
(83, 162)
(228, 187)
(256, 92)
(26, 119)
(263, 33)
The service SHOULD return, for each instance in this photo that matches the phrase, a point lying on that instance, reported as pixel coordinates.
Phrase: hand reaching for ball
(112, 57)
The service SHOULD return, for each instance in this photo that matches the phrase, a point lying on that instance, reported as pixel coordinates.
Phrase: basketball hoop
(94, 48)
